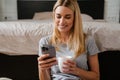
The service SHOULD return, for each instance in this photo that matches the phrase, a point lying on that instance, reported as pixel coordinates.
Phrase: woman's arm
(44, 74)
(92, 74)
(44, 66)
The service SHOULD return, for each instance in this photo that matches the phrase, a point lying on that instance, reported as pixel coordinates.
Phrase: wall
(112, 10)
(1, 9)
(8, 9)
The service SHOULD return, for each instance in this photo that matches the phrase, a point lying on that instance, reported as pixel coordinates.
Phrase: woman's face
(64, 19)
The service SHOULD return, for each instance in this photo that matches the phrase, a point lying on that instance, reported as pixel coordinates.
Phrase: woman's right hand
(45, 63)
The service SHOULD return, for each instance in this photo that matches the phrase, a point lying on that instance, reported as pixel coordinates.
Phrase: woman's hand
(45, 63)
(70, 67)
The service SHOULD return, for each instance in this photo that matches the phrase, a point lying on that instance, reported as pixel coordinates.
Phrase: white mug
(61, 60)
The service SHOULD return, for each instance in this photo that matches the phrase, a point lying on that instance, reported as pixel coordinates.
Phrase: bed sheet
(22, 37)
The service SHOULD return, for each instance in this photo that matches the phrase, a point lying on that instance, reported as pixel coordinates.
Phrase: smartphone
(48, 49)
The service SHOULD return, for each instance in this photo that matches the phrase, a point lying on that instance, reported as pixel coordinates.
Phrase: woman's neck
(64, 38)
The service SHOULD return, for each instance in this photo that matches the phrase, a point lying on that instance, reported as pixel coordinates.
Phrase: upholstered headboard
(27, 8)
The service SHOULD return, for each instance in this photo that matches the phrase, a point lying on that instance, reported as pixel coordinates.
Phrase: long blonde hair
(76, 40)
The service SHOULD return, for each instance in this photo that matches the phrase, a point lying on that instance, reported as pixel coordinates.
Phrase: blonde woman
(69, 39)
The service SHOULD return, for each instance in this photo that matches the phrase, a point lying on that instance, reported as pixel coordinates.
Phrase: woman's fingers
(45, 62)
(42, 57)
(69, 66)
(70, 63)
(48, 65)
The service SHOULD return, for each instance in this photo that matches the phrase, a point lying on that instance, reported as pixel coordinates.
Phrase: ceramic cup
(61, 60)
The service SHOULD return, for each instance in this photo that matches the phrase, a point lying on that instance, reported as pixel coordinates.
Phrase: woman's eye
(67, 17)
(58, 17)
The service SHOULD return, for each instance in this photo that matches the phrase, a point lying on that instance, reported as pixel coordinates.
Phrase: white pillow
(42, 15)
(5, 78)
(48, 15)
(86, 17)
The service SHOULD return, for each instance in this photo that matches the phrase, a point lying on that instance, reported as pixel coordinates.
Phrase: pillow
(86, 17)
(48, 15)
(42, 15)
(5, 78)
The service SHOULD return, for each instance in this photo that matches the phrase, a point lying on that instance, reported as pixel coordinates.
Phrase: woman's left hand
(70, 67)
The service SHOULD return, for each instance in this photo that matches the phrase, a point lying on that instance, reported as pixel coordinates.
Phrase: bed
(19, 47)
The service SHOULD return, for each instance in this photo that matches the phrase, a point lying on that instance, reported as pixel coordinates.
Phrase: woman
(69, 39)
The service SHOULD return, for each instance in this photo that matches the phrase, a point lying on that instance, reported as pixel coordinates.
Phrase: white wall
(112, 9)
(8, 10)
(1, 10)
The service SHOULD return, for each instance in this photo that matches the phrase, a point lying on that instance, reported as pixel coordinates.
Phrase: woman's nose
(62, 21)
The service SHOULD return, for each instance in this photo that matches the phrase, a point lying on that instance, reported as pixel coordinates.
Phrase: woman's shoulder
(89, 38)
(91, 45)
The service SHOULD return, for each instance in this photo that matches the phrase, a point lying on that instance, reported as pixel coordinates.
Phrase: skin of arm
(44, 74)
(44, 66)
(92, 74)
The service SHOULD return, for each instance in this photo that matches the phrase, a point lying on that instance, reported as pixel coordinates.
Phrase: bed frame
(27, 8)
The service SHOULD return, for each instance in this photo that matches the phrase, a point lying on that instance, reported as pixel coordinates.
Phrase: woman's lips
(62, 27)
